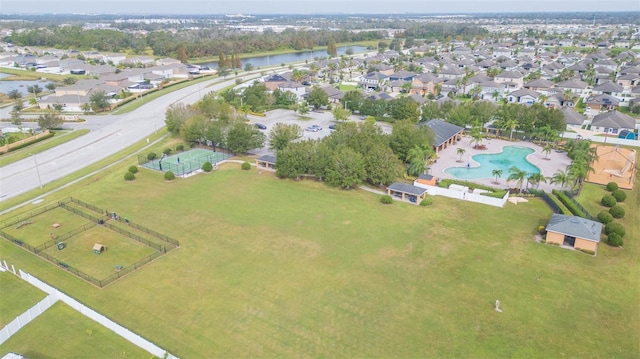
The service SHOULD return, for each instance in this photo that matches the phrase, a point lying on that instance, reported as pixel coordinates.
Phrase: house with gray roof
(523, 96)
(572, 118)
(574, 232)
(613, 122)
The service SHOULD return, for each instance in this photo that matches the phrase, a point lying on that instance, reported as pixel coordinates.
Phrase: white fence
(464, 195)
(25, 318)
(53, 296)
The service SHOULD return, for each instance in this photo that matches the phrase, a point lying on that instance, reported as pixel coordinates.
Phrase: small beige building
(575, 232)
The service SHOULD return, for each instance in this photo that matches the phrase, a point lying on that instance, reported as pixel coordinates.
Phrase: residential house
(613, 122)
(491, 91)
(575, 232)
(334, 94)
(523, 96)
(602, 102)
(296, 88)
(452, 73)
(576, 87)
(572, 119)
(272, 82)
(539, 85)
(514, 80)
(423, 84)
(373, 80)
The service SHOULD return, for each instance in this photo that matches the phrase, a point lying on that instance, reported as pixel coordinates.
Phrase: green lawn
(17, 296)
(277, 268)
(37, 230)
(62, 332)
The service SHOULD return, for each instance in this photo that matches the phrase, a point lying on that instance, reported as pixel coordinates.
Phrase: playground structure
(614, 164)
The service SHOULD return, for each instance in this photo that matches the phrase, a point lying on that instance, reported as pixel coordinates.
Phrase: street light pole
(37, 170)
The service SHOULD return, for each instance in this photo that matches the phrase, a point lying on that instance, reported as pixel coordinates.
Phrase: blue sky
(310, 6)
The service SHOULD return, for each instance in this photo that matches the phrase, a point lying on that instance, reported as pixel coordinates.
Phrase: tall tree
(281, 135)
(332, 50)
(517, 175)
(182, 55)
(50, 120)
(497, 173)
(347, 168)
(242, 137)
(317, 97)
(99, 101)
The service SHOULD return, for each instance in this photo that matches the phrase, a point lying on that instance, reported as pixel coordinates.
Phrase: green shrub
(617, 211)
(29, 143)
(587, 251)
(167, 151)
(169, 176)
(152, 156)
(133, 169)
(571, 205)
(180, 147)
(207, 167)
(129, 176)
(386, 199)
(427, 201)
(612, 186)
(619, 195)
(605, 217)
(615, 239)
(608, 200)
(614, 227)
(246, 166)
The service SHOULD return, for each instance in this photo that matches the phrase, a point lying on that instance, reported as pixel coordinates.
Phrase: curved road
(113, 133)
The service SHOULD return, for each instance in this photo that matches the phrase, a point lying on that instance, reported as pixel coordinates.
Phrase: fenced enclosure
(99, 219)
(183, 163)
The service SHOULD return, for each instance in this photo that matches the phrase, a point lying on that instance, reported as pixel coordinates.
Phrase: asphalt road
(109, 134)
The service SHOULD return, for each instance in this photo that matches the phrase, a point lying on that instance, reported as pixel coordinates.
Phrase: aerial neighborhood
(413, 185)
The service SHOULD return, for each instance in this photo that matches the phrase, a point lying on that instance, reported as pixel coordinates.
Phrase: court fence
(39, 250)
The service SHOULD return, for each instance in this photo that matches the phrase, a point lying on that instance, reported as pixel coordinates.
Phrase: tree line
(193, 43)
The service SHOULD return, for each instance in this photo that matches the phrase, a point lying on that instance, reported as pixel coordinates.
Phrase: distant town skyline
(204, 7)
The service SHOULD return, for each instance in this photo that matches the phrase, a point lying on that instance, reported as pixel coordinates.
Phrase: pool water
(509, 157)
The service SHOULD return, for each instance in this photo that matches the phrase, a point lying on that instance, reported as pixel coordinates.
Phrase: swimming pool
(509, 157)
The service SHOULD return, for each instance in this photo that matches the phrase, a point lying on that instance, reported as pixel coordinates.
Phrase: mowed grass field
(278, 268)
(62, 332)
(16, 297)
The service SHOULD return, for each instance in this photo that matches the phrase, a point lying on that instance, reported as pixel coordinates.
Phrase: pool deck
(449, 157)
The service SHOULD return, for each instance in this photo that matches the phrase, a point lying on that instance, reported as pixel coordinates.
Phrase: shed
(99, 248)
(426, 179)
(574, 232)
(406, 191)
(266, 162)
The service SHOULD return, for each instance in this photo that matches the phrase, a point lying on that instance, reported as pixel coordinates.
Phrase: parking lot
(322, 119)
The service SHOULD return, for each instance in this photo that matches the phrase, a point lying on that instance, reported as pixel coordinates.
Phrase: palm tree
(536, 178)
(495, 95)
(460, 152)
(437, 88)
(547, 150)
(497, 173)
(579, 170)
(517, 175)
(561, 177)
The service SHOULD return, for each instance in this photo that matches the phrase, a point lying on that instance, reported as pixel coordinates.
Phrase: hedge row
(26, 144)
(571, 206)
(446, 182)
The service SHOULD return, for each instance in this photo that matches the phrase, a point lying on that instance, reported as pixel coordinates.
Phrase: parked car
(333, 127)
(313, 128)
(261, 126)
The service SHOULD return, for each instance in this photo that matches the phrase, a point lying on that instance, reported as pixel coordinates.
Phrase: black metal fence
(571, 196)
(39, 250)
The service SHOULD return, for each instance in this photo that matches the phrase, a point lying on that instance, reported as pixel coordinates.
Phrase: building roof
(443, 130)
(407, 188)
(571, 117)
(267, 159)
(575, 227)
(608, 87)
(614, 119)
(603, 99)
(426, 177)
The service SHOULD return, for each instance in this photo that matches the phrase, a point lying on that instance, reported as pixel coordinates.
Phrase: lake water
(273, 60)
(6, 86)
(509, 157)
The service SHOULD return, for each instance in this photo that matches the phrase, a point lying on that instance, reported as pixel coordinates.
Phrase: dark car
(261, 126)
(333, 127)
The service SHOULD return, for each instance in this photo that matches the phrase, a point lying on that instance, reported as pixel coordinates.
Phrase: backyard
(277, 268)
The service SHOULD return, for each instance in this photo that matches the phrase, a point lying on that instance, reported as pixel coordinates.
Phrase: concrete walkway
(449, 157)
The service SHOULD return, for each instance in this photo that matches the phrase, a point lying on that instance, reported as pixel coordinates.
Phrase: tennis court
(184, 163)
